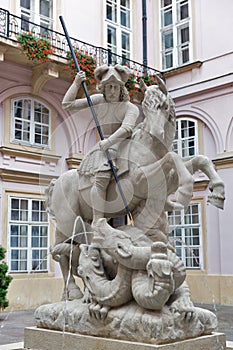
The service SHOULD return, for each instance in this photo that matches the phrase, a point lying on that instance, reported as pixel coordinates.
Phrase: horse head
(159, 111)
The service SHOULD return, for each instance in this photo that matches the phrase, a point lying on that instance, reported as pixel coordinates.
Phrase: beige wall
(210, 289)
(27, 293)
(30, 292)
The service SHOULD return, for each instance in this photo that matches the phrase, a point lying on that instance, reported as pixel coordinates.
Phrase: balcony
(11, 26)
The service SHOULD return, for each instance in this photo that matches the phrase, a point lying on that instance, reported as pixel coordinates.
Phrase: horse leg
(216, 185)
(184, 192)
(68, 261)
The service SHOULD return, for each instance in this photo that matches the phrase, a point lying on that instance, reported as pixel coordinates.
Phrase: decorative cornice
(74, 160)
(182, 69)
(25, 177)
(223, 163)
(200, 185)
(15, 152)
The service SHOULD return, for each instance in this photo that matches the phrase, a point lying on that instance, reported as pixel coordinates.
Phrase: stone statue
(117, 117)
(132, 275)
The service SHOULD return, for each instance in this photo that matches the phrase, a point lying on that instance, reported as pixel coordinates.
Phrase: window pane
(165, 3)
(22, 118)
(125, 3)
(28, 239)
(14, 203)
(25, 3)
(168, 60)
(31, 122)
(18, 260)
(125, 16)
(167, 18)
(45, 8)
(125, 41)
(167, 40)
(183, 10)
(186, 235)
(184, 55)
(186, 137)
(111, 10)
(112, 39)
(184, 35)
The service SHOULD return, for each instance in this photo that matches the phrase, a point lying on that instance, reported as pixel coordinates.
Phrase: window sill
(39, 154)
(24, 275)
(195, 271)
(181, 69)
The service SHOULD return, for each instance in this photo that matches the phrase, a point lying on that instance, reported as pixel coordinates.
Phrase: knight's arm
(126, 129)
(70, 101)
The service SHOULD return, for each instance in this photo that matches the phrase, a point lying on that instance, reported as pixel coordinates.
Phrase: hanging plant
(133, 86)
(149, 79)
(36, 49)
(87, 64)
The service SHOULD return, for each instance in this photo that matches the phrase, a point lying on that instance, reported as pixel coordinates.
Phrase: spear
(97, 123)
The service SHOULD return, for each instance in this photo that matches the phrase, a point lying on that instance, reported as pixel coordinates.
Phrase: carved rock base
(129, 322)
(44, 339)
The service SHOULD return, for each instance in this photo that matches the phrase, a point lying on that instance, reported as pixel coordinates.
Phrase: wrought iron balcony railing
(11, 26)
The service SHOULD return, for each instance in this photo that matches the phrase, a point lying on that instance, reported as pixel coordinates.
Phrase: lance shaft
(96, 121)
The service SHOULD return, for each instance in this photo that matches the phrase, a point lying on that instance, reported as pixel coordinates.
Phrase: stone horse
(154, 172)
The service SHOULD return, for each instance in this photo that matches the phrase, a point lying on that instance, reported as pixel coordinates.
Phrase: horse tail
(48, 197)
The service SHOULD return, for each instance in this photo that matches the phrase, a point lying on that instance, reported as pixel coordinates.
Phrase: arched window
(186, 138)
(30, 122)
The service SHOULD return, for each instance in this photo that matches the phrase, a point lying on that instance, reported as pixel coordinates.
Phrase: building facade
(39, 140)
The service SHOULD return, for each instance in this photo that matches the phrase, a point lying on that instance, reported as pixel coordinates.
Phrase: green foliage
(5, 280)
(37, 49)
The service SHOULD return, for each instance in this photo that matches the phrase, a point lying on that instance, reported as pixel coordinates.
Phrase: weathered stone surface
(44, 339)
(129, 322)
(134, 281)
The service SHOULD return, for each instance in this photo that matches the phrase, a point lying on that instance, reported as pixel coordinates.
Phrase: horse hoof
(216, 201)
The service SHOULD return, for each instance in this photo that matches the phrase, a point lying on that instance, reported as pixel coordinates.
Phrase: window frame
(174, 27)
(29, 223)
(33, 15)
(119, 29)
(179, 139)
(183, 227)
(32, 124)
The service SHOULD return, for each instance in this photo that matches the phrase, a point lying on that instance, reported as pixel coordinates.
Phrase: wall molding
(223, 163)
(16, 152)
(74, 160)
(25, 177)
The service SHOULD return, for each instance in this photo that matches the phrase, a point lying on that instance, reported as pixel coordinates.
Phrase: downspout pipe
(144, 34)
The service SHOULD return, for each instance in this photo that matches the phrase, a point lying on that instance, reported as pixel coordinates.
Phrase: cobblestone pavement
(12, 323)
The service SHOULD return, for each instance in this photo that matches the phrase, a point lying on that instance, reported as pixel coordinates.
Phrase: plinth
(45, 339)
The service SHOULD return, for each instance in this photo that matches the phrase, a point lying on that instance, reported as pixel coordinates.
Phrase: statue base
(126, 323)
(45, 339)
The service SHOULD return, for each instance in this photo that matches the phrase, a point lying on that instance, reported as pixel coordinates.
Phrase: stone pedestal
(45, 339)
